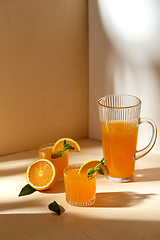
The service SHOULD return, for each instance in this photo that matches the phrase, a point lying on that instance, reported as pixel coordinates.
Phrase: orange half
(41, 174)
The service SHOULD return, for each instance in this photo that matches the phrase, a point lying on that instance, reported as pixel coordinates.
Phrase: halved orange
(41, 174)
(60, 143)
(92, 164)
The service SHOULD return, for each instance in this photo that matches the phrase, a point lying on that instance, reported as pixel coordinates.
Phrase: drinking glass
(119, 121)
(45, 151)
(80, 189)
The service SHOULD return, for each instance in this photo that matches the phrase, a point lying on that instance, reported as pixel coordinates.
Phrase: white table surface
(127, 211)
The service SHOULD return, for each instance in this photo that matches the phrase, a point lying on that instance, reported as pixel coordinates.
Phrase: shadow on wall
(129, 44)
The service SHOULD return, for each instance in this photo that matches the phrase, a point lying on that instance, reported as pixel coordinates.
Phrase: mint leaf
(67, 146)
(26, 190)
(60, 153)
(102, 161)
(57, 155)
(54, 207)
(90, 171)
(99, 170)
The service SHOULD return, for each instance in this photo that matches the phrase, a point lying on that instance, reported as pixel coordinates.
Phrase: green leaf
(60, 153)
(57, 155)
(90, 171)
(54, 207)
(26, 190)
(102, 161)
(99, 170)
(67, 146)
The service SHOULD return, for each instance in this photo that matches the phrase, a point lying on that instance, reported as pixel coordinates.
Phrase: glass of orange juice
(119, 122)
(80, 189)
(45, 151)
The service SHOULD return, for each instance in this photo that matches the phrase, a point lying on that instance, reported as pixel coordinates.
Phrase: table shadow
(119, 199)
(58, 187)
(73, 225)
(143, 175)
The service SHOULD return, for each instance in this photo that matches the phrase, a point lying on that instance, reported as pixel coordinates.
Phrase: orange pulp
(119, 140)
(41, 174)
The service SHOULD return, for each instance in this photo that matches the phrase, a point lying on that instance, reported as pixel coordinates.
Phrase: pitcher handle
(140, 153)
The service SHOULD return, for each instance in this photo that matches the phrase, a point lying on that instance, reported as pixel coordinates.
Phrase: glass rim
(44, 145)
(78, 166)
(116, 95)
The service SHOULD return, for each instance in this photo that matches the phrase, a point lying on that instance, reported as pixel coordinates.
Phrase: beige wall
(124, 57)
(43, 72)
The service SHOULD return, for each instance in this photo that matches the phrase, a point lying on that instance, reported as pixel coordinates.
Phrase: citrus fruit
(60, 143)
(41, 174)
(92, 164)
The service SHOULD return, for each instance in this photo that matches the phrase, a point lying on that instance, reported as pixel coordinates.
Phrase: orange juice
(80, 190)
(60, 162)
(119, 140)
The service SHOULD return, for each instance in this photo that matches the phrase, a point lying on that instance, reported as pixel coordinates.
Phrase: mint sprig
(60, 153)
(97, 168)
(57, 155)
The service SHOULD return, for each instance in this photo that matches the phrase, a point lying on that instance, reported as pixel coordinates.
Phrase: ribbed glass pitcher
(119, 120)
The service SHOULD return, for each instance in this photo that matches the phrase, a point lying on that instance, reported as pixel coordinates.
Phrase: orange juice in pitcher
(119, 140)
